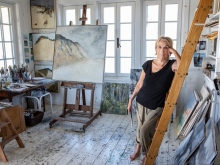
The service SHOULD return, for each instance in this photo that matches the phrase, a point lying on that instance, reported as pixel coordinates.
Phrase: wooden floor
(109, 140)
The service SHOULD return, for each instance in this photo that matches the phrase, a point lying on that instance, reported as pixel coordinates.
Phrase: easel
(186, 57)
(77, 109)
(5, 121)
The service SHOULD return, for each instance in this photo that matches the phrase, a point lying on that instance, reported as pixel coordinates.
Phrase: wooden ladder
(200, 16)
(4, 122)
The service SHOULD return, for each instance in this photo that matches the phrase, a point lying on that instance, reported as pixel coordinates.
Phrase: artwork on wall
(43, 46)
(198, 58)
(202, 45)
(134, 78)
(42, 14)
(206, 152)
(46, 71)
(79, 53)
(189, 144)
(115, 98)
(187, 110)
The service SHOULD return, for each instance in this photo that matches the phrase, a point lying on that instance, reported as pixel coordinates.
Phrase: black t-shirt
(153, 92)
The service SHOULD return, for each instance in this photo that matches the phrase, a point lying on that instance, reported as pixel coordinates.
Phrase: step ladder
(200, 16)
(4, 122)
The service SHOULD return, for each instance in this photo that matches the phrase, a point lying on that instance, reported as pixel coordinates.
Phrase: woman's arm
(136, 90)
(176, 64)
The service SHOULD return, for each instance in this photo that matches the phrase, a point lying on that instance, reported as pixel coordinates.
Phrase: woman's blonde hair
(167, 39)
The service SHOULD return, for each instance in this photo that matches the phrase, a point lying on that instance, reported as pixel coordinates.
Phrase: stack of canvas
(195, 108)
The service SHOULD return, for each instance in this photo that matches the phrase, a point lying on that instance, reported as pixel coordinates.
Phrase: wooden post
(84, 19)
(186, 57)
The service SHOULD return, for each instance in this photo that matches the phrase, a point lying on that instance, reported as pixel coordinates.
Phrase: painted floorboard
(109, 140)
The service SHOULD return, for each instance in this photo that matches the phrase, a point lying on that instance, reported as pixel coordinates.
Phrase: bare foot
(134, 156)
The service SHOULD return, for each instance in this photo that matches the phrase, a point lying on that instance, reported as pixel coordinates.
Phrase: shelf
(214, 57)
(215, 17)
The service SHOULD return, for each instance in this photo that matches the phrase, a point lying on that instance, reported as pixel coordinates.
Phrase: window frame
(12, 29)
(161, 23)
(117, 57)
(77, 14)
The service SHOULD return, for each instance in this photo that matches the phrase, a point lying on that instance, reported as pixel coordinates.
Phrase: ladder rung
(4, 124)
(4, 142)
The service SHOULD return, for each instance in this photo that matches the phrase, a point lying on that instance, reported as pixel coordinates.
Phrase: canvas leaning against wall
(79, 53)
(42, 14)
(43, 46)
(46, 72)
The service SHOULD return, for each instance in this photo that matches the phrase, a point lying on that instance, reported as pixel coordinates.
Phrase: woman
(151, 89)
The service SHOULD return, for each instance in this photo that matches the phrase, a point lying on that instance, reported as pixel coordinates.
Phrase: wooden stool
(5, 121)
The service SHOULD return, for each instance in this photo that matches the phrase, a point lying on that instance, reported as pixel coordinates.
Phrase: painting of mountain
(46, 72)
(42, 14)
(43, 46)
(79, 53)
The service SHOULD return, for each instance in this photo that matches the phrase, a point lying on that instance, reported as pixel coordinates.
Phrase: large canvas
(189, 144)
(134, 78)
(43, 46)
(46, 71)
(207, 150)
(115, 98)
(187, 110)
(79, 53)
(42, 14)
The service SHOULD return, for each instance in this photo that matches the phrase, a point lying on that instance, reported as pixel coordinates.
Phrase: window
(73, 13)
(120, 38)
(161, 17)
(7, 56)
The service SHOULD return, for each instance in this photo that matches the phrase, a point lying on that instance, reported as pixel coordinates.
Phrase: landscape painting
(46, 72)
(189, 144)
(42, 14)
(187, 110)
(43, 46)
(115, 98)
(206, 152)
(134, 78)
(79, 53)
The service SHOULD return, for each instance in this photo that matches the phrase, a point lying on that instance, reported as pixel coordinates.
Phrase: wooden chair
(4, 122)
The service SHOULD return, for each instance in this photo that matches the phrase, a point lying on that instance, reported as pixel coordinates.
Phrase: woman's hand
(129, 108)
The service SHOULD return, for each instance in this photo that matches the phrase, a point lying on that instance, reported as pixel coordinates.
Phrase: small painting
(202, 45)
(115, 98)
(27, 60)
(31, 44)
(25, 42)
(46, 72)
(25, 36)
(26, 50)
(30, 36)
(198, 58)
(43, 46)
(42, 14)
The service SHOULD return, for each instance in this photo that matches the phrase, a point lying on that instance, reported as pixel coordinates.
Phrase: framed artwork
(198, 58)
(202, 45)
(43, 46)
(79, 53)
(42, 14)
(43, 70)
